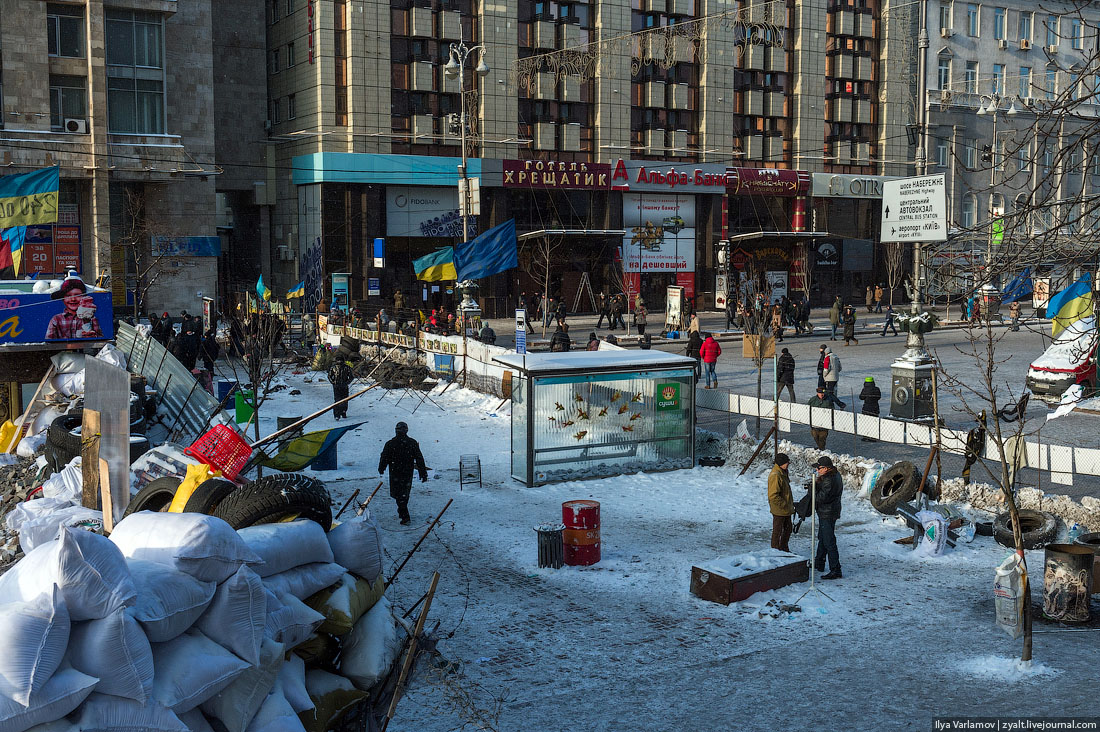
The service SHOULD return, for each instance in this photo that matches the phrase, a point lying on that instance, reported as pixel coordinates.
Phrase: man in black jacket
(870, 395)
(559, 341)
(830, 488)
(340, 376)
(402, 455)
(821, 366)
(784, 375)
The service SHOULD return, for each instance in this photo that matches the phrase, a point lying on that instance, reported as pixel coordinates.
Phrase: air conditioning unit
(284, 253)
(1052, 49)
(1025, 44)
(1002, 44)
(947, 32)
(76, 126)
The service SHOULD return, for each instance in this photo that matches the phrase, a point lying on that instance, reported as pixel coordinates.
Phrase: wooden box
(726, 580)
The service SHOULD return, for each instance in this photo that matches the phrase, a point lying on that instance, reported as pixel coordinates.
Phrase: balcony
(423, 76)
(677, 96)
(545, 135)
(655, 94)
(420, 23)
(752, 103)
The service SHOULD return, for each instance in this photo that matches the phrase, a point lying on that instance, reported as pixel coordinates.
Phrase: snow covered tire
(208, 495)
(897, 485)
(1037, 529)
(272, 497)
(60, 434)
(157, 495)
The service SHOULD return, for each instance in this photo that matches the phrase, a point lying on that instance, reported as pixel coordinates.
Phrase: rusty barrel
(1067, 582)
(582, 532)
(1092, 541)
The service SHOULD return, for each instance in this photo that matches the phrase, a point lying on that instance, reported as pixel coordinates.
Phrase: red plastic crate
(222, 448)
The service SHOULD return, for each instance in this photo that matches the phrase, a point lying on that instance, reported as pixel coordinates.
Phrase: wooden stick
(89, 458)
(310, 418)
(393, 577)
(346, 504)
(21, 426)
(757, 451)
(411, 655)
(366, 503)
(924, 477)
(105, 496)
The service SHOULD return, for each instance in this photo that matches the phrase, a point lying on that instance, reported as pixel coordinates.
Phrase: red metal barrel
(582, 532)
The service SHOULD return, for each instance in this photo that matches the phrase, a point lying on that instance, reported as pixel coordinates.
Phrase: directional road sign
(914, 209)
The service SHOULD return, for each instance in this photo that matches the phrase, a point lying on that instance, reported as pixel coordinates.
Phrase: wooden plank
(89, 459)
(22, 423)
(105, 496)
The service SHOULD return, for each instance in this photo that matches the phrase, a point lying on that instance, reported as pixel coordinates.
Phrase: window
(945, 15)
(1075, 33)
(970, 77)
(289, 7)
(1022, 156)
(941, 153)
(1052, 82)
(65, 30)
(275, 109)
(998, 84)
(1051, 24)
(999, 23)
(290, 59)
(1025, 25)
(1048, 158)
(135, 72)
(68, 100)
(1074, 82)
(1025, 81)
(969, 209)
(291, 107)
(971, 19)
(275, 61)
(1073, 160)
(945, 73)
(274, 11)
(970, 154)
(997, 204)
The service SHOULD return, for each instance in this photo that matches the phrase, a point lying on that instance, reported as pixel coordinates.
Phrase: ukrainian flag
(11, 251)
(1070, 305)
(30, 198)
(299, 290)
(301, 451)
(263, 290)
(439, 265)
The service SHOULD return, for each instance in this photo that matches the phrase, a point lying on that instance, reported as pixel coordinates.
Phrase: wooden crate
(707, 584)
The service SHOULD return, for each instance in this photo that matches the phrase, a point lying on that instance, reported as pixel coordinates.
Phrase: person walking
(870, 394)
(834, 317)
(617, 306)
(820, 434)
(850, 325)
(593, 343)
(402, 455)
(559, 341)
(640, 318)
(709, 352)
(830, 491)
(559, 312)
(1014, 314)
(210, 350)
(604, 310)
(821, 366)
(869, 298)
(780, 503)
(777, 322)
(693, 324)
(695, 342)
(831, 368)
(340, 376)
(889, 321)
(547, 311)
(784, 374)
(878, 297)
(187, 345)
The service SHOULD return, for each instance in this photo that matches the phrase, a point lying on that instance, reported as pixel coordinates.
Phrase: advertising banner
(37, 317)
(660, 232)
(186, 246)
(424, 211)
(767, 182)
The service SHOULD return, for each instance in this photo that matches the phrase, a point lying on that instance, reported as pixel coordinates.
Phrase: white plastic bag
(110, 354)
(870, 477)
(89, 569)
(289, 620)
(204, 547)
(105, 713)
(67, 362)
(292, 683)
(30, 510)
(47, 526)
(372, 646)
(168, 601)
(34, 636)
(63, 693)
(190, 669)
(68, 385)
(357, 545)
(30, 445)
(43, 420)
(305, 580)
(934, 536)
(67, 484)
(236, 705)
(285, 546)
(115, 650)
(1008, 596)
(743, 432)
(236, 616)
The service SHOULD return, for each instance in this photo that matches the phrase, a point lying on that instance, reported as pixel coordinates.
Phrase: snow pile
(1071, 349)
(742, 565)
(1001, 668)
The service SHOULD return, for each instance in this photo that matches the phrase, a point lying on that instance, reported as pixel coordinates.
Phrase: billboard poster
(74, 313)
(660, 232)
(777, 283)
(66, 257)
(422, 211)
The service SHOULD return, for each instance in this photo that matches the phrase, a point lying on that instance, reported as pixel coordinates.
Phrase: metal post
(915, 341)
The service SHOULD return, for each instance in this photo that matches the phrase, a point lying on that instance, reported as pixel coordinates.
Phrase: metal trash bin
(551, 547)
(1092, 541)
(1067, 582)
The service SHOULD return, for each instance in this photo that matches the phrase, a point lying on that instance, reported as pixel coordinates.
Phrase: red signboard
(766, 182)
(66, 234)
(739, 258)
(66, 257)
(551, 174)
(39, 258)
(686, 280)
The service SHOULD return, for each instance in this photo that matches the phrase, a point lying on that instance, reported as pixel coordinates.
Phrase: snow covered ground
(623, 645)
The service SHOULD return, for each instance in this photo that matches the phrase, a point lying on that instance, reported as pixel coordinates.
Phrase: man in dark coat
(210, 349)
(821, 366)
(780, 503)
(830, 489)
(559, 341)
(340, 376)
(784, 375)
(603, 309)
(402, 455)
(187, 346)
(870, 395)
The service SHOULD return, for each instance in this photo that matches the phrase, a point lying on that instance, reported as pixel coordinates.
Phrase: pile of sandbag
(177, 622)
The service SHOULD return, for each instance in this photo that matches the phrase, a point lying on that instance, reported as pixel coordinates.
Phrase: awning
(541, 233)
(778, 235)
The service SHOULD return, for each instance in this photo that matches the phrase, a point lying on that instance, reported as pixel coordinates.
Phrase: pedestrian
(709, 352)
(870, 394)
(487, 335)
(398, 302)
(340, 376)
(559, 312)
(830, 491)
(731, 313)
(975, 446)
(154, 326)
(878, 298)
(640, 318)
(604, 310)
(210, 350)
(889, 321)
(559, 341)
(593, 343)
(695, 342)
(547, 311)
(1014, 314)
(780, 503)
(777, 322)
(617, 307)
(401, 455)
(834, 317)
(869, 297)
(693, 324)
(820, 434)
(831, 373)
(821, 366)
(187, 346)
(784, 374)
(850, 325)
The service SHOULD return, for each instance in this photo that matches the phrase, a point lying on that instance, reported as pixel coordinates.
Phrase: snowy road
(624, 646)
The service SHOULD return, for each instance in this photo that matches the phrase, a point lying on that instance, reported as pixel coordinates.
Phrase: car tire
(273, 497)
(1037, 529)
(139, 445)
(897, 485)
(156, 496)
(60, 433)
(208, 495)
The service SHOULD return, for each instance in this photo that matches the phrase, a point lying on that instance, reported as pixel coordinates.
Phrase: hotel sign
(550, 174)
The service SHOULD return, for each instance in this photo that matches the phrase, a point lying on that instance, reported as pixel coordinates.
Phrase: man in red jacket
(710, 351)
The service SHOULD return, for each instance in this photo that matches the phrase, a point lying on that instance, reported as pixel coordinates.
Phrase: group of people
(829, 489)
(754, 315)
(873, 297)
(189, 343)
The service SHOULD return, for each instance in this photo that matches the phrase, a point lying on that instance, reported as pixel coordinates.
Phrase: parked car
(1070, 359)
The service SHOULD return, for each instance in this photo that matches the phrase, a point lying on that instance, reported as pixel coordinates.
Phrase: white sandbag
(236, 705)
(30, 445)
(190, 669)
(332, 695)
(371, 647)
(67, 483)
(67, 362)
(60, 695)
(276, 715)
(357, 545)
(89, 569)
(110, 354)
(195, 721)
(204, 547)
(934, 535)
(291, 681)
(60, 725)
(305, 580)
(236, 616)
(286, 546)
(289, 620)
(29, 510)
(33, 636)
(115, 650)
(44, 419)
(68, 385)
(105, 713)
(168, 601)
(47, 526)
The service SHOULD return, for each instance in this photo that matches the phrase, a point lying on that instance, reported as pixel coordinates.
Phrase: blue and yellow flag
(437, 266)
(263, 290)
(30, 198)
(490, 253)
(1070, 305)
(299, 290)
(11, 251)
(301, 451)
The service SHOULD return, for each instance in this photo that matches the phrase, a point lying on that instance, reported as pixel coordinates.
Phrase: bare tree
(894, 260)
(758, 327)
(541, 252)
(133, 235)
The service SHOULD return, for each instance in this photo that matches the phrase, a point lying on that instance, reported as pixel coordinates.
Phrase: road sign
(914, 209)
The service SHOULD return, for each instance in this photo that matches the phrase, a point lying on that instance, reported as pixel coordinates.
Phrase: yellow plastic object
(8, 433)
(196, 475)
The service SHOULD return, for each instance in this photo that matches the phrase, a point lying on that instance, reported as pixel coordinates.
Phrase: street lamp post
(991, 105)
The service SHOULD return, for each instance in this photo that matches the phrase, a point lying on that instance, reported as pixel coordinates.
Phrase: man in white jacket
(832, 376)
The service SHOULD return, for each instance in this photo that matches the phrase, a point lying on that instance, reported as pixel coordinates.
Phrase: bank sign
(645, 175)
(422, 211)
(829, 185)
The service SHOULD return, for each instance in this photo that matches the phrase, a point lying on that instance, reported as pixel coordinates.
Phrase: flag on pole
(1070, 305)
(30, 198)
(299, 290)
(490, 253)
(1019, 288)
(437, 266)
(263, 290)
(298, 453)
(11, 251)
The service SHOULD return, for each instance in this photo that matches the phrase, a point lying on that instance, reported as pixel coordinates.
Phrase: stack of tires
(63, 437)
